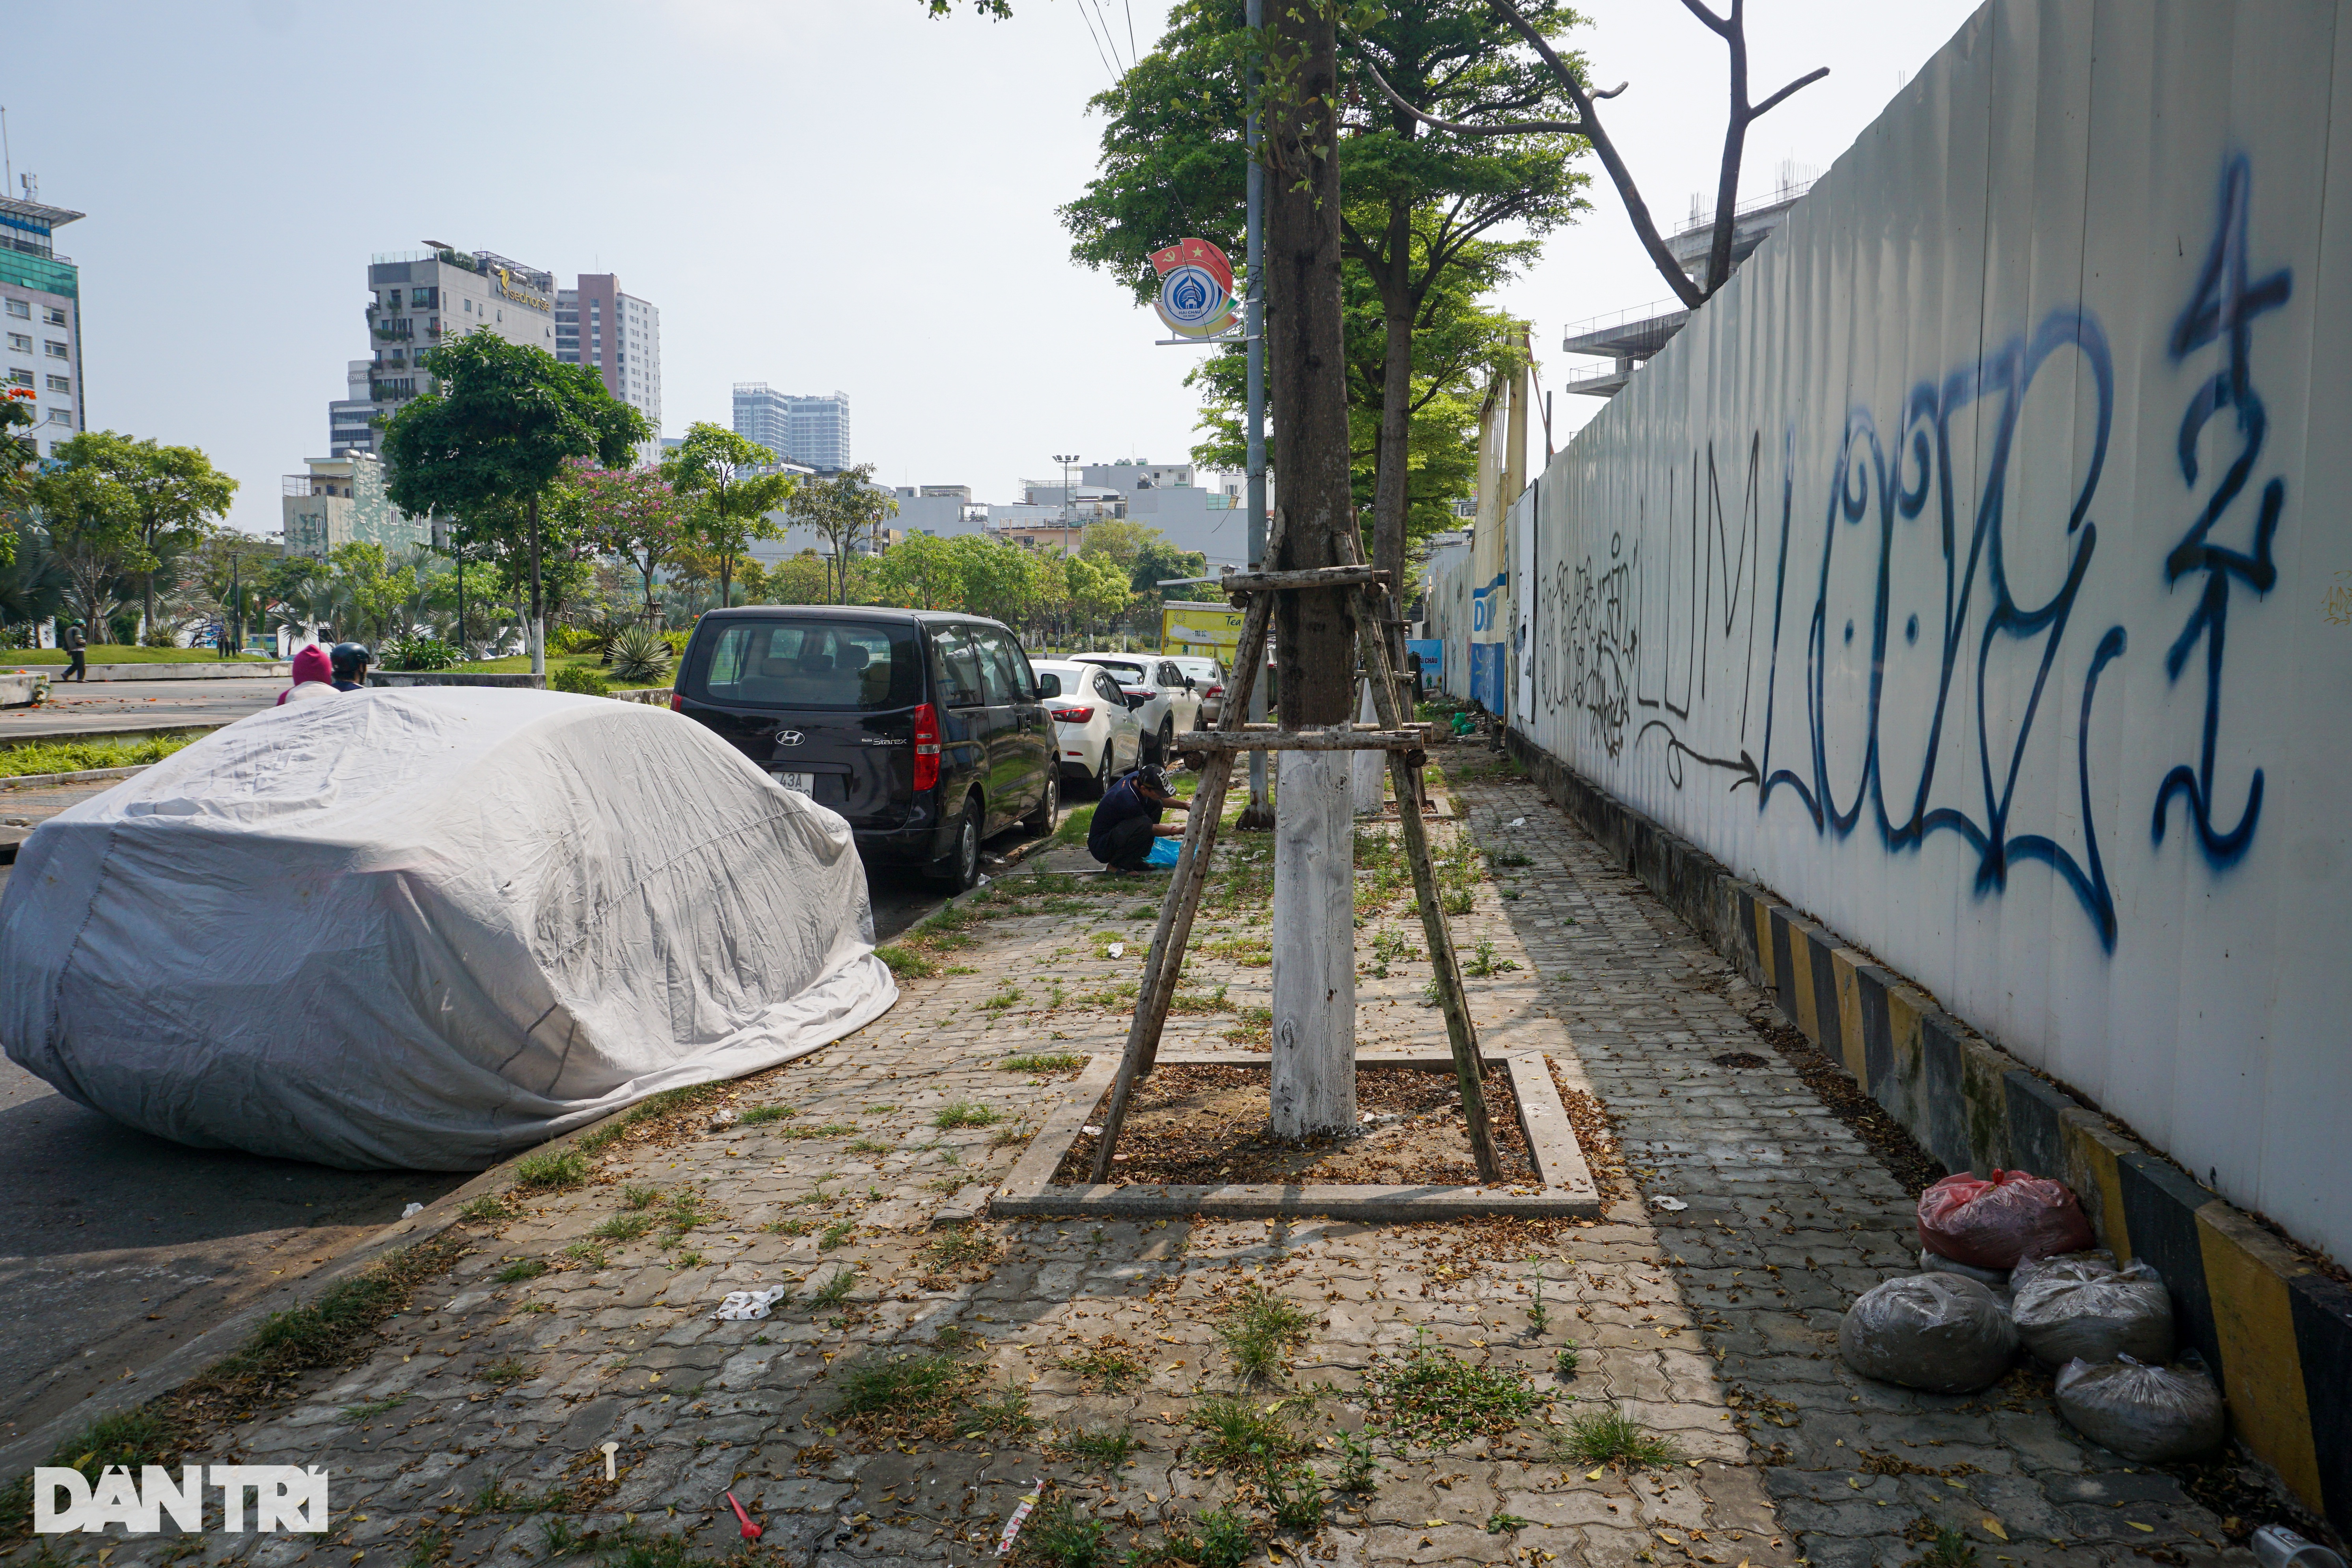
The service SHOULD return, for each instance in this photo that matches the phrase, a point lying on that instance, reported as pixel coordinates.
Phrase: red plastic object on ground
(1999, 1223)
(751, 1530)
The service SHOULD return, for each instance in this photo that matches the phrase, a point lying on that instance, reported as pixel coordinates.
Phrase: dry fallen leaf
(1994, 1525)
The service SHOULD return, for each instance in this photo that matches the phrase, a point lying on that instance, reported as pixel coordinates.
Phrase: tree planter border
(1566, 1189)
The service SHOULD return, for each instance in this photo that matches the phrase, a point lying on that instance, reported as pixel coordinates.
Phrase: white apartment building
(812, 430)
(418, 300)
(41, 317)
(620, 334)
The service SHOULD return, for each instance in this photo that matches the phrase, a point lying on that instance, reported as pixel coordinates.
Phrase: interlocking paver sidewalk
(471, 1432)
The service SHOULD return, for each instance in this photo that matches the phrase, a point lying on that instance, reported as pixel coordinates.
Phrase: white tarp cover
(430, 927)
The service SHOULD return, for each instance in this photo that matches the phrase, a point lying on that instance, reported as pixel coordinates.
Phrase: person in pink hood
(314, 677)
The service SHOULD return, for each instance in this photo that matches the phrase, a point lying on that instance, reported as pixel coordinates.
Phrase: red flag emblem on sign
(1195, 253)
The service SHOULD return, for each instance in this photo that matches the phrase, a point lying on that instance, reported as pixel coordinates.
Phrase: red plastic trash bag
(1999, 1223)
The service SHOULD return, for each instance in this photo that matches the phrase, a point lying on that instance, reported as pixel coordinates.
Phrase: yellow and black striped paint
(2276, 1332)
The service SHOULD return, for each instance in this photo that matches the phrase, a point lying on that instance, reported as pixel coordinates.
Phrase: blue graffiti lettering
(2223, 310)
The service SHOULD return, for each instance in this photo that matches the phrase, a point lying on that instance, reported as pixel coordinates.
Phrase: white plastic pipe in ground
(1314, 1068)
(1368, 772)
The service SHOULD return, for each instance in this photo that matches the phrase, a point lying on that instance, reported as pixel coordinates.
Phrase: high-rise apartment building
(40, 316)
(620, 334)
(812, 430)
(419, 300)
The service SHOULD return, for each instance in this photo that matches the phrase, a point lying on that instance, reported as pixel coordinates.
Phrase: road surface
(116, 1246)
(104, 707)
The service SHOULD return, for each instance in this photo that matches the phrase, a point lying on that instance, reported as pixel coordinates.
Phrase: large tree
(732, 482)
(173, 493)
(1420, 209)
(843, 509)
(492, 439)
(92, 528)
(633, 514)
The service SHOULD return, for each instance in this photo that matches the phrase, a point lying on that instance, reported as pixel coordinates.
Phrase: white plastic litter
(2154, 1413)
(429, 928)
(1517, 822)
(2085, 1310)
(1118, 950)
(1672, 1206)
(411, 1211)
(1942, 1332)
(741, 1305)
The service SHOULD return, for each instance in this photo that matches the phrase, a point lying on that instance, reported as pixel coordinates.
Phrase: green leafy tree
(1117, 540)
(492, 439)
(1421, 205)
(920, 573)
(173, 493)
(724, 476)
(634, 515)
(1156, 563)
(1097, 592)
(19, 457)
(374, 593)
(843, 509)
(233, 571)
(93, 527)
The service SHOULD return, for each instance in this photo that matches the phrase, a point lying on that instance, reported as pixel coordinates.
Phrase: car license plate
(799, 784)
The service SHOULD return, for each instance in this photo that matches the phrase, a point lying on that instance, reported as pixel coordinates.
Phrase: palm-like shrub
(640, 654)
(418, 651)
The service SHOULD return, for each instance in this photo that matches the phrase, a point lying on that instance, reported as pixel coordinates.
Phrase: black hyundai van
(925, 730)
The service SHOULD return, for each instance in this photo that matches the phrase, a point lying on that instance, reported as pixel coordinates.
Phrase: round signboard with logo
(1196, 289)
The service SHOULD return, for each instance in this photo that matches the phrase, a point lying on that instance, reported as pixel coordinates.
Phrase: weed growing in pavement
(632, 1550)
(1007, 994)
(966, 1113)
(791, 1227)
(1951, 1549)
(535, 1307)
(1221, 1538)
(869, 1146)
(1239, 1433)
(1565, 1363)
(905, 1387)
(1432, 1396)
(1359, 1471)
(1501, 1523)
(372, 1408)
(826, 1130)
(685, 1210)
(559, 1538)
(1612, 1437)
(760, 1113)
(1104, 1449)
(689, 1258)
(501, 1373)
(880, 1110)
(836, 1234)
(588, 1254)
(520, 1269)
(624, 1228)
(1294, 1495)
(1215, 1002)
(1043, 1061)
(834, 1290)
(1107, 1365)
(1539, 1318)
(1003, 1137)
(1258, 1327)
(487, 1209)
(1059, 1536)
(428, 1548)
(959, 1248)
(552, 1172)
(1008, 1412)
(906, 964)
(1508, 858)
(1484, 963)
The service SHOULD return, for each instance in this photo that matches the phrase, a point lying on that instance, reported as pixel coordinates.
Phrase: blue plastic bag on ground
(1164, 852)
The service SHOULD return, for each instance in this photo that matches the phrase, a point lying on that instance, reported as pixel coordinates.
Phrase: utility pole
(1259, 814)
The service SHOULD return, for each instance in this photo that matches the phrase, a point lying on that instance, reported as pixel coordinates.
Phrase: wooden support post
(1166, 959)
(1366, 770)
(1312, 1087)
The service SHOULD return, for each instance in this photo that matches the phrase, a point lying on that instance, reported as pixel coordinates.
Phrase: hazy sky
(821, 195)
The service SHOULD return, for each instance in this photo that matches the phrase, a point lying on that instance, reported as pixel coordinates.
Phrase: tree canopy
(725, 476)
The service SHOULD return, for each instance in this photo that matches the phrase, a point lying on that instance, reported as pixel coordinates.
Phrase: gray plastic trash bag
(2070, 1310)
(1994, 1279)
(1945, 1333)
(2154, 1413)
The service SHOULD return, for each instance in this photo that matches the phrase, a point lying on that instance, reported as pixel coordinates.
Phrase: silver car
(1208, 678)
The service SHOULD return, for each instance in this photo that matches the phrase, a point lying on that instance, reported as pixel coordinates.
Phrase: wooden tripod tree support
(1169, 937)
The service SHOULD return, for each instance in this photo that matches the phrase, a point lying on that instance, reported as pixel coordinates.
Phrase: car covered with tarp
(430, 927)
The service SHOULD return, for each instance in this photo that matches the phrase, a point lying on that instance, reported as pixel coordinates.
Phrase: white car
(1095, 732)
(1163, 699)
(1208, 678)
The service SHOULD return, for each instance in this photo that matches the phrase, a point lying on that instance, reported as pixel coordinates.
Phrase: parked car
(924, 729)
(1164, 701)
(1208, 678)
(1095, 734)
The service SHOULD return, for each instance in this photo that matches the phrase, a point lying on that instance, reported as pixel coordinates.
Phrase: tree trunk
(1313, 1070)
(1391, 471)
(536, 633)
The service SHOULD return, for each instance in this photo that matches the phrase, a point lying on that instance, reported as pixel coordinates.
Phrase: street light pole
(1259, 812)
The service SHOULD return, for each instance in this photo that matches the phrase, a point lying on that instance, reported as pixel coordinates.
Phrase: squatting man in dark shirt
(1127, 819)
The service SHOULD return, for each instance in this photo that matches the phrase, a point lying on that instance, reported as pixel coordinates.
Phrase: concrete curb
(86, 775)
(1566, 1188)
(2275, 1331)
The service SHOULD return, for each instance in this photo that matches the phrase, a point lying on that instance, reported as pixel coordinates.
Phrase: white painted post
(1368, 772)
(1314, 1068)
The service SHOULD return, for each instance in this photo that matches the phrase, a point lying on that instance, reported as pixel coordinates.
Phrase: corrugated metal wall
(1973, 570)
